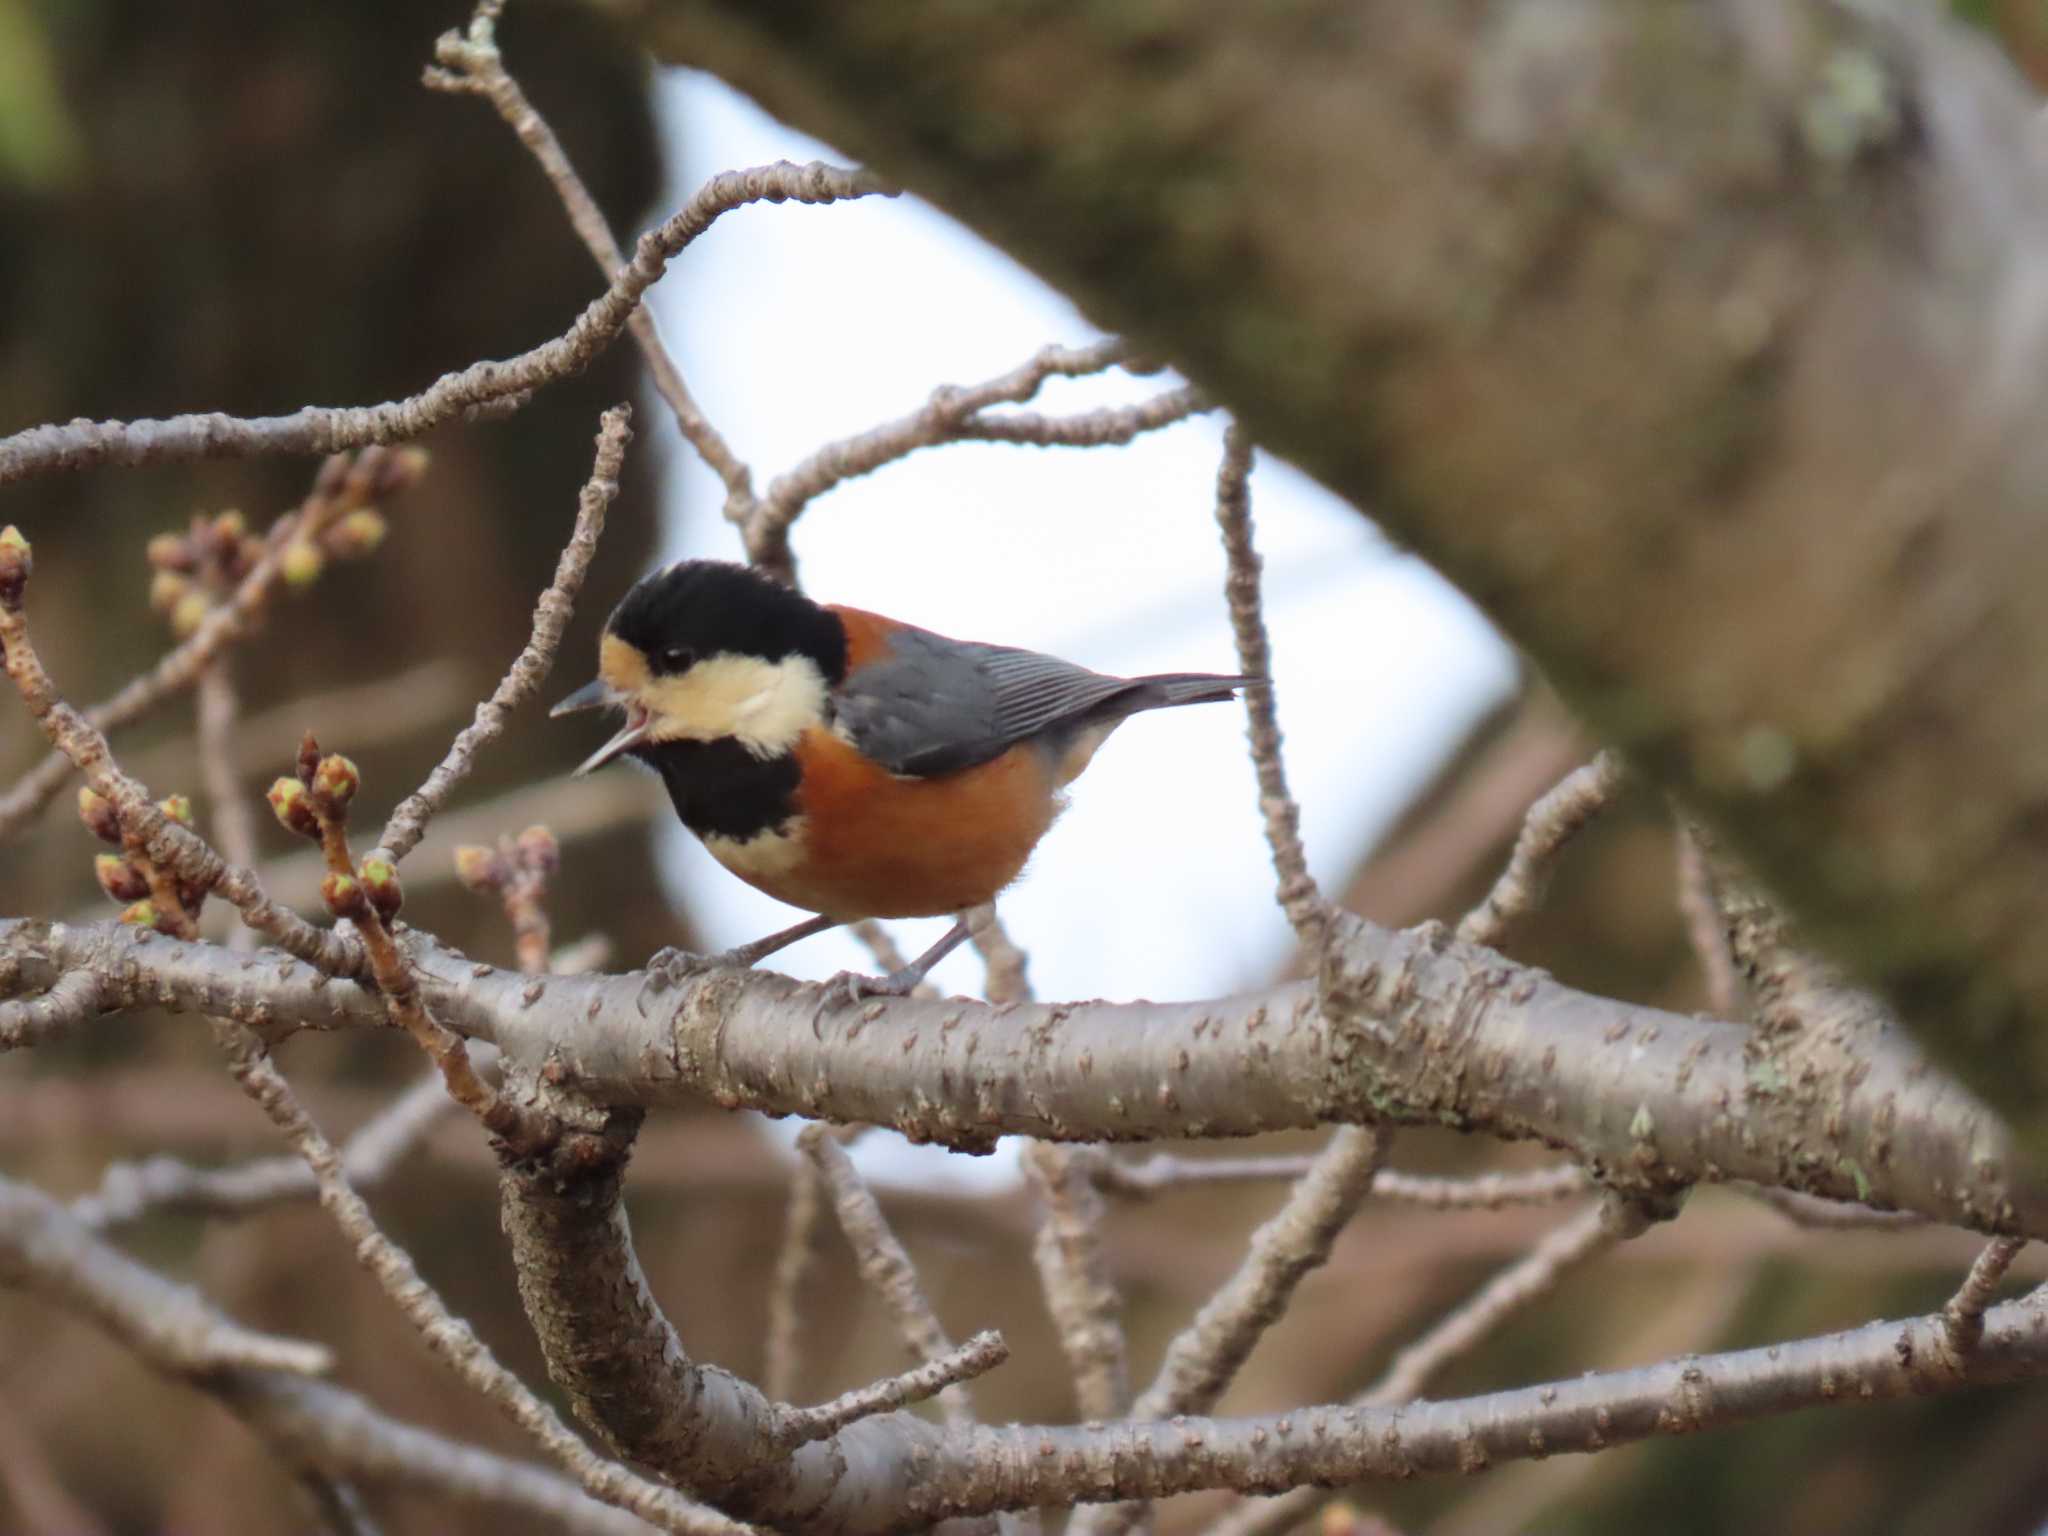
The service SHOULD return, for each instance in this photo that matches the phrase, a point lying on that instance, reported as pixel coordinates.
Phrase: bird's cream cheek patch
(766, 705)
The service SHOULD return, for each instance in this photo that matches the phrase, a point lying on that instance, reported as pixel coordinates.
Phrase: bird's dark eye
(678, 658)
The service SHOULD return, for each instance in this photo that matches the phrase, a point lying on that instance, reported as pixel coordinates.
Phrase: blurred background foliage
(221, 206)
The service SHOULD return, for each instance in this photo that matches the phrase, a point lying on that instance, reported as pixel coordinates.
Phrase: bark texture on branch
(1402, 1027)
(1703, 344)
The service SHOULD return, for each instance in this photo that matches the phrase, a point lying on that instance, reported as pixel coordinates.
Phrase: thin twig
(1704, 930)
(44, 1251)
(1534, 1275)
(1296, 892)
(766, 526)
(473, 65)
(323, 429)
(883, 1263)
(168, 846)
(130, 1191)
(977, 1357)
(802, 1226)
(1109, 426)
(1551, 823)
(342, 484)
(1805, 1210)
(1962, 1320)
(531, 667)
(450, 1338)
(1164, 1171)
(1073, 1269)
(1584, 1237)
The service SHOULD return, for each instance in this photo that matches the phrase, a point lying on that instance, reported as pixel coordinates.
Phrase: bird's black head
(704, 651)
(696, 609)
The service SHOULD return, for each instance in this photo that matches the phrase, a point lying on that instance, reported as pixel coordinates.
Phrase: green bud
(142, 914)
(344, 896)
(17, 559)
(335, 782)
(178, 808)
(303, 563)
(188, 613)
(380, 879)
(293, 807)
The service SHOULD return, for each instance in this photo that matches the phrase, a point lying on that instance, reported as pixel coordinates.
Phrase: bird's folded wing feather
(934, 705)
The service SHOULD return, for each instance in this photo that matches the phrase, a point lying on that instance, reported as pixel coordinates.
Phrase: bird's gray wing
(934, 705)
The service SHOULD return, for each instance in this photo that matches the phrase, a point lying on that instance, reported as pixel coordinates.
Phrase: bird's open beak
(596, 695)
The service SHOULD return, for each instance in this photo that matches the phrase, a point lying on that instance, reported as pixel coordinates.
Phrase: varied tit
(846, 763)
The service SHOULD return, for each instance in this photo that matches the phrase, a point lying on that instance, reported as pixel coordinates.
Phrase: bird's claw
(668, 969)
(852, 987)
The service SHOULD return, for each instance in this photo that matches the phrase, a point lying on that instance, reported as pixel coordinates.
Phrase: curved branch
(1412, 1027)
(323, 429)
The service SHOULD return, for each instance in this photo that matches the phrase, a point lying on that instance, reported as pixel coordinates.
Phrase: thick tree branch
(1417, 1027)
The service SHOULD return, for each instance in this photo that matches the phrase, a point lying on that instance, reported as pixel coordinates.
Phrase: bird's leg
(899, 983)
(671, 967)
(746, 955)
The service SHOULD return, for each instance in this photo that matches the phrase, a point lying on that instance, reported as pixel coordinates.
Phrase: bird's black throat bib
(721, 789)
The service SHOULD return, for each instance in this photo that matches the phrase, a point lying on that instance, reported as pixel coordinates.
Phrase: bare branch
(169, 846)
(1962, 1320)
(42, 1250)
(1107, 427)
(323, 429)
(1565, 1248)
(1552, 822)
(1204, 1358)
(884, 1264)
(130, 1191)
(977, 1357)
(1164, 1171)
(802, 1226)
(341, 485)
(1297, 893)
(446, 1335)
(531, 667)
(1700, 907)
(1539, 1060)
(475, 66)
(766, 526)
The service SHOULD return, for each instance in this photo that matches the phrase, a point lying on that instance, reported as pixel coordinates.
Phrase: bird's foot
(669, 968)
(852, 987)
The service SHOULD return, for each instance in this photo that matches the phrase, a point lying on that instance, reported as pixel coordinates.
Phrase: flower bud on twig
(292, 807)
(380, 879)
(97, 812)
(539, 852)
(118, 878)
(344, 896)
(17, 559)
(479, 868)
(335, 782)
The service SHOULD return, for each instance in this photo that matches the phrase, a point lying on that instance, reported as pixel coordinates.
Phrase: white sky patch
(798, 325)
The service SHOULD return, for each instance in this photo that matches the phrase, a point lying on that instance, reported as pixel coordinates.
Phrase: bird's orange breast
(870, 844)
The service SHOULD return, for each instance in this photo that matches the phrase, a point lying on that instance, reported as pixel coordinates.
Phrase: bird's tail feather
(1167, 690)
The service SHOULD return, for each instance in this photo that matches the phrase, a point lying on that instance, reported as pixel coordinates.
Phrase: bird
(848, 764)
